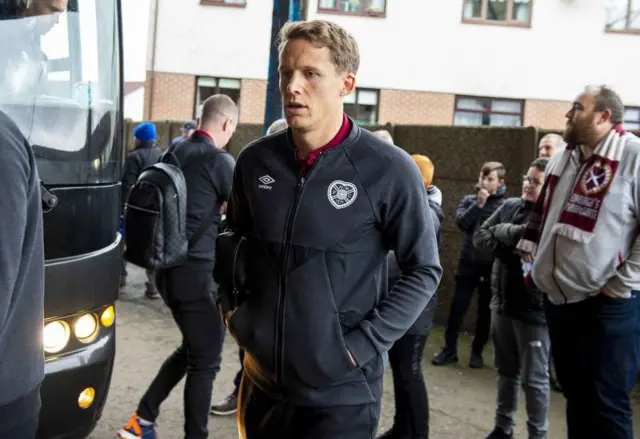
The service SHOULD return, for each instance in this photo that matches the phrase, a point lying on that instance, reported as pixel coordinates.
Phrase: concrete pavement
(462, 400)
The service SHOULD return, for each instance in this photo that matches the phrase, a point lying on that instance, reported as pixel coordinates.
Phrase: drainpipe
(283, 11)
(152, 64)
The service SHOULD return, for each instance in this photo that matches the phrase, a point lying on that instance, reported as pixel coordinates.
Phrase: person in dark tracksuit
(519, 327)
(21, 285)
(230, 404)
(411, 419)
(145, 153)
(320, 205)
(474, 267)
(188, 289)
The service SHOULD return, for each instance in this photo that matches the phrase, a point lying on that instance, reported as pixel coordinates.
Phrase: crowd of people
(326, 266)
(317, 249)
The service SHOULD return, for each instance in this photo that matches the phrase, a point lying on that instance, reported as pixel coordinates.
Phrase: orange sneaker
(136, 428)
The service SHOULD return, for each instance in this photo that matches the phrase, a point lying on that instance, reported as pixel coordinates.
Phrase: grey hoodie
(569, 271)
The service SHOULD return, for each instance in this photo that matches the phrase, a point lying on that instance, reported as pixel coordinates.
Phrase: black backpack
(155, 218)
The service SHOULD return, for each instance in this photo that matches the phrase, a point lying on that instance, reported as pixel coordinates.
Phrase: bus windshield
(60, 83)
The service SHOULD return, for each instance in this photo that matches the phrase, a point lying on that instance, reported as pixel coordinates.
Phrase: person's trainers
(499, 433)
(446, 356)
(228, 407)
(136, 428)
(476, 361)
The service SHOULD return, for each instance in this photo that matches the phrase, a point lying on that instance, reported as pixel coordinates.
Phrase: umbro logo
(266, 181)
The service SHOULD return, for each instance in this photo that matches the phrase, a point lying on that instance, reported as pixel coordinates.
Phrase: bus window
(64, 90)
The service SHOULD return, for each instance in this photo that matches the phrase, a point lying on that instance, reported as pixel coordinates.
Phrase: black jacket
(469, 217)
(424, 322)
(316, 267)
(21, 278)
(498, 237)
(141, 157)
(208, 172)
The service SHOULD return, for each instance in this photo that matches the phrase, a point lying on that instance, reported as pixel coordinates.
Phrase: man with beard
(582, 237)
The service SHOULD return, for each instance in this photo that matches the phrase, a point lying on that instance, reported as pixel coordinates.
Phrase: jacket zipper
(280, 312)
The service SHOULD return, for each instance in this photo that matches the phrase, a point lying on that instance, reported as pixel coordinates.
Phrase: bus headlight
(86, 328)
(56, 336)
(86, 397)
(108, 316)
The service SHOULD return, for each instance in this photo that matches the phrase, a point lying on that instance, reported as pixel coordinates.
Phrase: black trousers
(596, 350)
(262, 417)
(199, 355)
(462, 296)
(411, 418)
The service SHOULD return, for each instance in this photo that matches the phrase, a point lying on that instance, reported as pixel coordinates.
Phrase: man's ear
(348, 84)
(605, 116)
(501, 181)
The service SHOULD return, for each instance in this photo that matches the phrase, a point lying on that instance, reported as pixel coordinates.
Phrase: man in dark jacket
(230, 404)
(474, 267)
(519, 332)
(21, 286)
(411, 419)
(320, 205)
(186, 131)
(188, 289)
(145, 153)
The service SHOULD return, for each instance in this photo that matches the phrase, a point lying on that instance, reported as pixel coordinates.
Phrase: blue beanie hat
(145, 132)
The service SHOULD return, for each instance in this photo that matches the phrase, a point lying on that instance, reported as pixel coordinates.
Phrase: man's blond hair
(345, 54)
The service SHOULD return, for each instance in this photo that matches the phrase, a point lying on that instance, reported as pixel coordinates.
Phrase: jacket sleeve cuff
(360, 347)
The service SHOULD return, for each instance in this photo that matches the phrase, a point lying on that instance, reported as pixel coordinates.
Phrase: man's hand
(226, 316)
(481, 197)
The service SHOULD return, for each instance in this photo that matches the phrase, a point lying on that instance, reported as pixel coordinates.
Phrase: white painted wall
(134, 105)
(213, 40)
(135, 25)
(424, 46)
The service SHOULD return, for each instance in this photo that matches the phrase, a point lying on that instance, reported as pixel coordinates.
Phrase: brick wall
(415, 107)
(169, 96)
(253, 96)
(173, 98)
(545, 114)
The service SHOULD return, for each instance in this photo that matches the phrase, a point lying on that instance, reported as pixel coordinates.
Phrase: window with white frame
(515, 12)
(632, 118)
(207, 86)
(623, 15)
(353, 7)
(362, 106)
(479, 111)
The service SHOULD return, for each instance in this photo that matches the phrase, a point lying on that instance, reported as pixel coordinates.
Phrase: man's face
(311, 87)
(582, 120)
(546, 149)
(532, 184)
(490, 182)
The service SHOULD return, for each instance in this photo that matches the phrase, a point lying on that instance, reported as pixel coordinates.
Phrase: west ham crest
(596, 179)
(342, 194)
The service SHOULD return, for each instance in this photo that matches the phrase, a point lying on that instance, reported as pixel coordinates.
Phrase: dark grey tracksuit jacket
(317, 270)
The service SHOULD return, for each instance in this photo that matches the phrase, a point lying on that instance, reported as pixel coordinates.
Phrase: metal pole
(283, 11)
